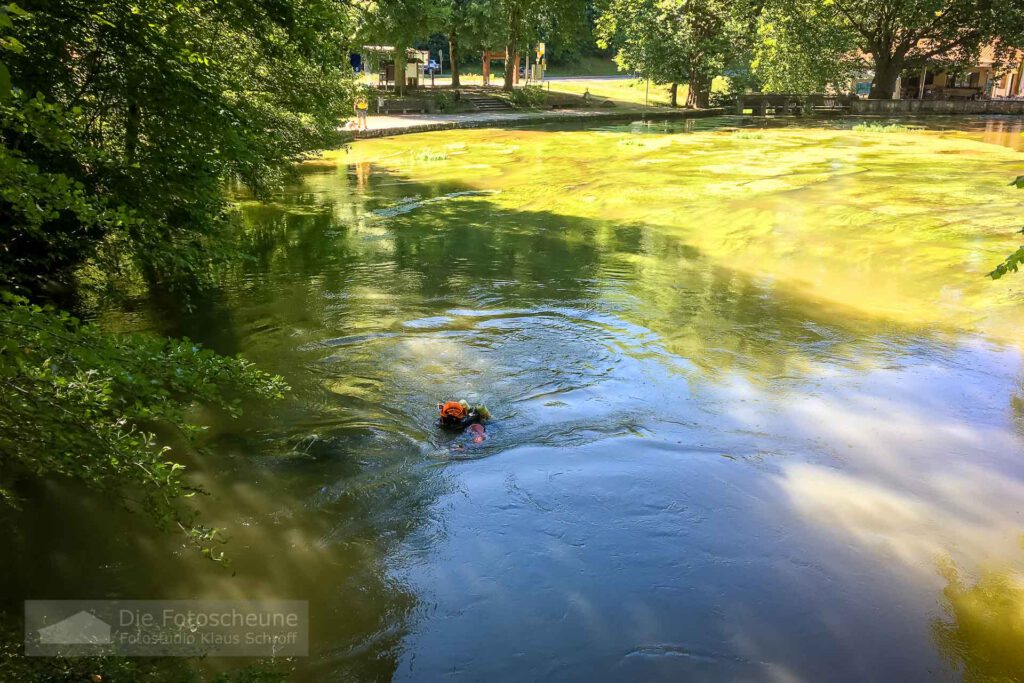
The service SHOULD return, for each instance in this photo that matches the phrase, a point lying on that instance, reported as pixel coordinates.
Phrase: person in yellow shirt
(361, 105)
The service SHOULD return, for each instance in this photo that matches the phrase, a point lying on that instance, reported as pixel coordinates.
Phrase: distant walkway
(615, 77)
(386, 126)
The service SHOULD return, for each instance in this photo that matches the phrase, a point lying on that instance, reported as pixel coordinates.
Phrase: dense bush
(444, 100)
(529, 97)
(121, 125)
(79, 403)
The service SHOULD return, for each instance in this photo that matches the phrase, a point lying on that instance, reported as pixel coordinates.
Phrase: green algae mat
(898, 226)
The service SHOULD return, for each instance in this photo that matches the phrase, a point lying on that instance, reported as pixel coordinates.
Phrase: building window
(970, 79)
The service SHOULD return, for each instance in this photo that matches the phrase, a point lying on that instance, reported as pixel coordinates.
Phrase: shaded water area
(758, 413)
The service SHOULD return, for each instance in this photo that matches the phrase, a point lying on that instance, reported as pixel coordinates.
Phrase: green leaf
(1012, 264)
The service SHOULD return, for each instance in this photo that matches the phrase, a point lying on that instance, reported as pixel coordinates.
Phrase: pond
(757, 411)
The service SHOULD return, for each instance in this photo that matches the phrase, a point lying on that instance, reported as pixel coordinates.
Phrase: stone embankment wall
(899, 107)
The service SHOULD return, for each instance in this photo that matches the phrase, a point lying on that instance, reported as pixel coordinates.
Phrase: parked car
(432, 67)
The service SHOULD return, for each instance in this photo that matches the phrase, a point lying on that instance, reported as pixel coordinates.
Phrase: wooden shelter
(498, 56)
(382, 58)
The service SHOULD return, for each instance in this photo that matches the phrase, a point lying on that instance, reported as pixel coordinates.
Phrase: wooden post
(920, 87)
(487, 69)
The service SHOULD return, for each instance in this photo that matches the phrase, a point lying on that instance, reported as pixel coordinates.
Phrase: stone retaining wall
(925, 107)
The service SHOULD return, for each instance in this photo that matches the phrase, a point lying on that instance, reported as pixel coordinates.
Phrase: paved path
(614, 77)
(385, 126)
(497, 79)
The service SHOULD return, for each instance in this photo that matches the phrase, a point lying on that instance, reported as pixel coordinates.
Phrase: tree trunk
(511, 47)
(674, 92)
(453, 55)
(510, 68)
(697, 93)
(884, 83)
(133, 116)
(131, 130)
(400, 61)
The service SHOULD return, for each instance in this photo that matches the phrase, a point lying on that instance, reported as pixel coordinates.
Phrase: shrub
(444, 100)
(529, 97)
(79, 403)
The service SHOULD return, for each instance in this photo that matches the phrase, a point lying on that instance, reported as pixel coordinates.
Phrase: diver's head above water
(460, 414)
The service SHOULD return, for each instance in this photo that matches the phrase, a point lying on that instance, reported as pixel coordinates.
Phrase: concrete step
(487, 103)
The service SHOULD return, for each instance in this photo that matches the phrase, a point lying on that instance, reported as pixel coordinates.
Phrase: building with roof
(993, 75)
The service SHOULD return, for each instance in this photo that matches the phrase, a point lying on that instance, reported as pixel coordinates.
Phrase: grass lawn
(626, 90)
(587, 66)
(630, 90)
(467, 76)
(471, 74)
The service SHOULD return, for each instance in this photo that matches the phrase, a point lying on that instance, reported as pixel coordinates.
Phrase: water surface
(757, 410)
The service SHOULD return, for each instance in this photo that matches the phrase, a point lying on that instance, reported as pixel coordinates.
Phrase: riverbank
(387, 126)
(936, 107)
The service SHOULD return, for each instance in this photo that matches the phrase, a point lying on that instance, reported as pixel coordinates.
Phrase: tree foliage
(121, 126)
(800, 53)
(674, 41)
(516, 25)
(138, 113)
(80, 403)
(400, 23)
(894, 35)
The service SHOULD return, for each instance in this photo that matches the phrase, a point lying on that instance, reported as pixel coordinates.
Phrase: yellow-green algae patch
(901, 227)
(981, 638)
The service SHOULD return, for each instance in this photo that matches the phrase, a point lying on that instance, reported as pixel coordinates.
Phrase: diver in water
(460, 416)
